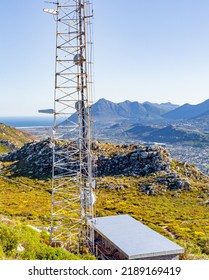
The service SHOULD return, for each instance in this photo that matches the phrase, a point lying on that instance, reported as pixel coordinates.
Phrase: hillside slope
(144, 182)
(12, 138)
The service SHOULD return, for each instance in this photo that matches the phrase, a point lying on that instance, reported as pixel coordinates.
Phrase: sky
(144, 50)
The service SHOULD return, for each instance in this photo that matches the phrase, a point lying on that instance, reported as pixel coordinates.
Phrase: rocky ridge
(35, 160)
(32, 160)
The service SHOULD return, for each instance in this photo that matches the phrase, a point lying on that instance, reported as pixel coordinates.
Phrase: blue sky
(145, 50)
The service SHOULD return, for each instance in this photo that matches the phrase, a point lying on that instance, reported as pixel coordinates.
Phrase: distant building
(124, 238)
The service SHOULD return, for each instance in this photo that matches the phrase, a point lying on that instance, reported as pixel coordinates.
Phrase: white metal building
(122, 237)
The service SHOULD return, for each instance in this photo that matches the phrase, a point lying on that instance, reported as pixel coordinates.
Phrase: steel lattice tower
(72, 183)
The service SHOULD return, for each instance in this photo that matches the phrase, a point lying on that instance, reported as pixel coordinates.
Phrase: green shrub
(32, 242)
(8, 240)
(46, 252)
(29, 240)
(2, 255)
(45, 238)
(33, 245)
(204, 245)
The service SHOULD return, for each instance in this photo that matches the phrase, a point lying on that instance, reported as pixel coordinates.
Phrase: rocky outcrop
(7, 144)
(141, 162)
(32, 160)
(35, 160)
(168, 181)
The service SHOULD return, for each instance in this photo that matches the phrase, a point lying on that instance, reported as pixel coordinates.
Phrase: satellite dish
(78, 59)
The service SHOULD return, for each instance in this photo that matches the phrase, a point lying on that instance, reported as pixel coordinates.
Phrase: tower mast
(72, 182)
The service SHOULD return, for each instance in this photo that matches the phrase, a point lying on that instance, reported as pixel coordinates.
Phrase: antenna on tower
(72, 179)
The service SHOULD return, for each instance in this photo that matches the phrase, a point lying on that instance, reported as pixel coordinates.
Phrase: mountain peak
(188, 111)
(103, 100)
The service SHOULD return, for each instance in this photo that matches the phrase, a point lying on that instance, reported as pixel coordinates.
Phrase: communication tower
(72, 182)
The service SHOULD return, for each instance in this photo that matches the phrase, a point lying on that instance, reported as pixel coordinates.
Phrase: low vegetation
(22, 242)
(181, 214)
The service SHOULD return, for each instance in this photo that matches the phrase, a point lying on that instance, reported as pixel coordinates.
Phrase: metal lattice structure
(72, 182)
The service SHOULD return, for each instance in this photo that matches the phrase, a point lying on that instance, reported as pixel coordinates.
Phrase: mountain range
(150, 122)
(134, 112)
(109, 112)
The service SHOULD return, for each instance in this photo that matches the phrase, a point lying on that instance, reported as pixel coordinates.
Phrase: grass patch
(185, 215)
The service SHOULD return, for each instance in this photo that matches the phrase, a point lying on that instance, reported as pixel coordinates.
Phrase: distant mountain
(109, 112)
(203, 116)
(168, 134)
(141, 130)
(152, 122)
(187, 111)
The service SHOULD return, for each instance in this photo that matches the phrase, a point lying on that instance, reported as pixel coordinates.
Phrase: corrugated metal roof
(133, 238)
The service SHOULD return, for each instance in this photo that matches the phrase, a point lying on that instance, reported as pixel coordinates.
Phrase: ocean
(23, 122)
